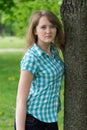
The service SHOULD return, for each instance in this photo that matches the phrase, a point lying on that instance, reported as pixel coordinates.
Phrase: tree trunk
(74, 15)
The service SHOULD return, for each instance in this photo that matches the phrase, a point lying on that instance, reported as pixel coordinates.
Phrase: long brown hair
(34, 20)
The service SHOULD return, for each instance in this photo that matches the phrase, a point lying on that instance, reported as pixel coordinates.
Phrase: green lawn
(61, 113)
(12, 42)
(9, 76)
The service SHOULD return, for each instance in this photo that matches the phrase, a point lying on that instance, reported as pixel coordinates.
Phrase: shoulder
(29, 56)
(29, 62)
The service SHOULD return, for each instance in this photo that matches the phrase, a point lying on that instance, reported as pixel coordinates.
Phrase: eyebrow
(45, 24)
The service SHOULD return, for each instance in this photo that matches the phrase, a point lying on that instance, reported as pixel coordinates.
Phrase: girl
(38, 97)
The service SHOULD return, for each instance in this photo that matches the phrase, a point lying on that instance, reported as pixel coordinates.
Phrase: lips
(48, 36)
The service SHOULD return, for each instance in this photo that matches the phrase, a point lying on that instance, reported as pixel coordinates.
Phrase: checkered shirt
(44, 97)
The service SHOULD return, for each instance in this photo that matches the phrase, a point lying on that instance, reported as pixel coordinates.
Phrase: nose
(48, 30)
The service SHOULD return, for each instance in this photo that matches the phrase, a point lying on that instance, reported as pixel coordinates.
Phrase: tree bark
(74, 16)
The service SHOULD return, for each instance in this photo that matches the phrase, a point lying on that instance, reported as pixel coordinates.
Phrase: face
(45, 31)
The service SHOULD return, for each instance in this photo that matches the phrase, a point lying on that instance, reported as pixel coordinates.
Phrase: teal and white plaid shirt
(44, 97)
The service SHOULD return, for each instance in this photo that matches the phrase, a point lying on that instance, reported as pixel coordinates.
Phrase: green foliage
(15, 14)
(6, 5)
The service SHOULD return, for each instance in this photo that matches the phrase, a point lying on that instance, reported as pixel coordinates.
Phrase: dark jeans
(34, 124)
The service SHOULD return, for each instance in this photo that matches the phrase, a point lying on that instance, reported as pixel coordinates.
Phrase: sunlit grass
(61, 113)
(11, 42)
(9, 75)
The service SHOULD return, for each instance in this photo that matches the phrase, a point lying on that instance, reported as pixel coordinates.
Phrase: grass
(61, 113)
(11, 42)
(9, 76)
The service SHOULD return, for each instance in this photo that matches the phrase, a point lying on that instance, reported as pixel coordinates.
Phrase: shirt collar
(38, 51)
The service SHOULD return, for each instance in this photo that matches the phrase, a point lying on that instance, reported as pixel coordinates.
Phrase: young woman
(38, 97)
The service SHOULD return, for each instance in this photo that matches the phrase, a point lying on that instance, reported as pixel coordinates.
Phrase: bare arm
(23, 91)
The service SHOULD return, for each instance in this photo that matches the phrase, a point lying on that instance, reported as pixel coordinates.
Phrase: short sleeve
(29, 63)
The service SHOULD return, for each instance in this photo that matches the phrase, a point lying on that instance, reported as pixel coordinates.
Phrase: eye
(52, 26)
(43, 27)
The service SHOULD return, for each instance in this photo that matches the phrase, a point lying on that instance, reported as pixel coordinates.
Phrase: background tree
(74, 13)
(6, 16)
(14, 14)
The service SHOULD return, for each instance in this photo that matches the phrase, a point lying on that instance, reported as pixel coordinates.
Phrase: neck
(45, 47)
